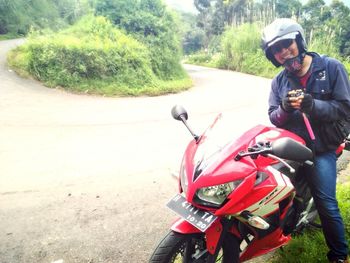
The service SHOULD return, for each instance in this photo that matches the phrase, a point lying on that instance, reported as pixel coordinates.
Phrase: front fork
(219, 235)
(227, 241)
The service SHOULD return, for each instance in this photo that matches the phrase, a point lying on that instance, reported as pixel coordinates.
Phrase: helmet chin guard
(294, 64)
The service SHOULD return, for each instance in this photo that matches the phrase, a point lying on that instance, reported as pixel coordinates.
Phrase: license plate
(197, 217)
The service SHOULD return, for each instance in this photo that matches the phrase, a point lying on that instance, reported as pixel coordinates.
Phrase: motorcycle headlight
(183, 178)
(215, 195)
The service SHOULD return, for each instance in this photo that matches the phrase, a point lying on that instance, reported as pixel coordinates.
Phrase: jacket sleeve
(277, 115)
(338, 106)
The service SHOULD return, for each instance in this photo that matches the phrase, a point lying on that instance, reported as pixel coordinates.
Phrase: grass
(9, 36)
(105, 87)
(113, 88)
(311, 246)
(18, 62)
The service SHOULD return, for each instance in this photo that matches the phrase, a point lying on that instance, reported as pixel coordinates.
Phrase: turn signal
(258, 222)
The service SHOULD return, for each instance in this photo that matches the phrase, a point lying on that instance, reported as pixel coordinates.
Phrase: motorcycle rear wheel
(178, 248)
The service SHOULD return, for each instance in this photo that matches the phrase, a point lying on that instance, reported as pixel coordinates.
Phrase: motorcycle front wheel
(191, 248)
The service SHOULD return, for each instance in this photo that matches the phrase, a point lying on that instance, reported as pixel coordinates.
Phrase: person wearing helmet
(311, 91)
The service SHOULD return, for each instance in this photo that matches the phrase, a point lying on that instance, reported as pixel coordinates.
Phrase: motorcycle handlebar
(253, 154)
(283, 148)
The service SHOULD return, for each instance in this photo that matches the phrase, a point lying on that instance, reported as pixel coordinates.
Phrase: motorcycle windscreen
(219, 135)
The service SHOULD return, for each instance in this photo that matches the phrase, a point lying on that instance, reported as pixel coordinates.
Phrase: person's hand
(292, 101)
(287, 104)
(307, 103)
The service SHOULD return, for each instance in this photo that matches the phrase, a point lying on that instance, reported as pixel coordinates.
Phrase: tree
(340, 24)
(192, 36)
(236, 11)
(193, 41)
(288, 8)
(314, 14)
(205, 19)
(202, 5)
(218, 21)
(19, 16)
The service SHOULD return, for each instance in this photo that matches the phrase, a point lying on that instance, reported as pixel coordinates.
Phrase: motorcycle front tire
(191, 248)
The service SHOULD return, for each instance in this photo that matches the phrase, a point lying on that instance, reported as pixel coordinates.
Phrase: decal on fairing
(269, 203)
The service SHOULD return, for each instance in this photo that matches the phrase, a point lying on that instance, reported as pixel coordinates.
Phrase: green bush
(10, 35)
(347, 64)
(152, 24)
(257, 64)
(238, 44)
(324, 45)
(97, 52)
(17, 17)
(200, 58)
(165, 63)
(94, 57)
(240, 51)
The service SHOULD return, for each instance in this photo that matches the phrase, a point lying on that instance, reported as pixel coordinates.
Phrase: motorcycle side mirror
(179, 113)
(287, 148)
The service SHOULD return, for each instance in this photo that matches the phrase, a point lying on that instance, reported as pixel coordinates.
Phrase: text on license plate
(198, 218)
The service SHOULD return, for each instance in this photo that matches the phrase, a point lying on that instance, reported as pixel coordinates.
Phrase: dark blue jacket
(329, 86)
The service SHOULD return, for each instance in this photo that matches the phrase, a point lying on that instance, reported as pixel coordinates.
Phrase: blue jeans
(322, 183)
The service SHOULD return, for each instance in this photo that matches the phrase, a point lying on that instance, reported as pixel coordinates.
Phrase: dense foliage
(225, 33)
(92, 56)
(320, 21)
(238, 44)
(151, 23)
(18, 17)
(240, 51)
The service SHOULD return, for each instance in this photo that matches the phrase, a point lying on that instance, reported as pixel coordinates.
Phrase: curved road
(86, 178)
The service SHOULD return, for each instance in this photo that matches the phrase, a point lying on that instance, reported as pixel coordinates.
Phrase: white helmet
(282, 28)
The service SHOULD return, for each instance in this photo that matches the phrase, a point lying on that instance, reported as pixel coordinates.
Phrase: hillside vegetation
(130, 52)
(18, 17)
(240, 51)
(137, 47)
(226, 34)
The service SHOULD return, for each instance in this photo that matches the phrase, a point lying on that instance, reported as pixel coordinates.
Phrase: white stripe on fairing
(277, 175)
(284, 186)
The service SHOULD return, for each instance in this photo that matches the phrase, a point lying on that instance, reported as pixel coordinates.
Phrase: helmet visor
(291, 35)
(280, 45)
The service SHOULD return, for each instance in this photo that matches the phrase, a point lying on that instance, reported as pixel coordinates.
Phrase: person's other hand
(307, 103)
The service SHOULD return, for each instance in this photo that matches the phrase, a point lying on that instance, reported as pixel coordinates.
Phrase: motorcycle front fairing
(209, 164)
(211, 161)
(204, 164)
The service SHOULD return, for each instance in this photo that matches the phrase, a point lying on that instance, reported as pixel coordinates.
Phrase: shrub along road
(85, 178)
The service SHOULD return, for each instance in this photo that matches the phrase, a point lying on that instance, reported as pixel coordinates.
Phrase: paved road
(86, 178)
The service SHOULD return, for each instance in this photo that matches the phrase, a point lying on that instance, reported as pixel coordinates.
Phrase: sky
(187, 5)
(183, 5)
(346, 2)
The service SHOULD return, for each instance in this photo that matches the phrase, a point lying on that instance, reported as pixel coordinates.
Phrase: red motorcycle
(236, 198)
